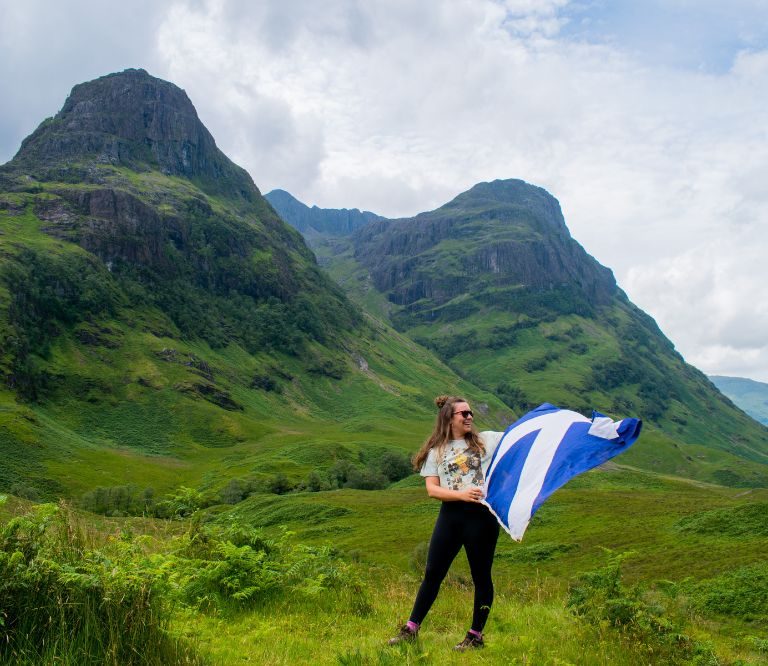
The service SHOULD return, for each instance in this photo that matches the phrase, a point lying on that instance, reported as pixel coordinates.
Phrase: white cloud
(396, 106)
(712, 295)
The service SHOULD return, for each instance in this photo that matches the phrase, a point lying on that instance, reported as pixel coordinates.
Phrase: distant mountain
(749, 395)
(318, 221)
(494, 283)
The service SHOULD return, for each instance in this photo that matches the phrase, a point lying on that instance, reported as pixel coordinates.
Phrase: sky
(647, 120)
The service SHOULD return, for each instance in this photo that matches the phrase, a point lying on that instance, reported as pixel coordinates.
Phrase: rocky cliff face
(318, 221)
(497, 235)
(135, 120)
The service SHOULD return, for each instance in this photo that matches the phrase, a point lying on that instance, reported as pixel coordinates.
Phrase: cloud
(712, 295)
(48, 47)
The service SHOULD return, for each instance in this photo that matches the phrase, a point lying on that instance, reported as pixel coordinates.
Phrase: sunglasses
(465, 413)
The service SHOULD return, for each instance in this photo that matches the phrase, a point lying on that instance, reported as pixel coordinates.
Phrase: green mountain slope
(749, 395)
(161, 325)
(494, 284)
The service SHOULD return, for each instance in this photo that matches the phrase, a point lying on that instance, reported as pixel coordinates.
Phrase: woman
(453, 462)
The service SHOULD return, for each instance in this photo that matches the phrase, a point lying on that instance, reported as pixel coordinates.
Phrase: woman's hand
(470, 494)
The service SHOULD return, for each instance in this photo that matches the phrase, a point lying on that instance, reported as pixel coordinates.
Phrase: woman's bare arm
(435, 490)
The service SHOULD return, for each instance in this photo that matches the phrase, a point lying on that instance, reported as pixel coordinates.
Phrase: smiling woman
(453, 462)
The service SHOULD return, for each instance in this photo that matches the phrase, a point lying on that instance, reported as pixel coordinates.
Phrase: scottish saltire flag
(543, 450)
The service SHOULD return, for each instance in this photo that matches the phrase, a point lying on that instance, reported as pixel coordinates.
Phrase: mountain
(314, 222)
(127, 172)
(496, 286)
(749, 395)
(159, 322)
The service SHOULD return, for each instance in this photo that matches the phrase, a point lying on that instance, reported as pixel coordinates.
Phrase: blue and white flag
(542, 451)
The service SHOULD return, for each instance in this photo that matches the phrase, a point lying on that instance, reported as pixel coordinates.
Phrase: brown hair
(441, 434)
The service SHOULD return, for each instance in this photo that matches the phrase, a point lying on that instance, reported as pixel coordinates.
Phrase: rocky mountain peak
(514, 193)
(135, 120)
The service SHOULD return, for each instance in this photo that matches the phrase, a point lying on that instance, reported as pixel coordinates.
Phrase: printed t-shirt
(459, 467)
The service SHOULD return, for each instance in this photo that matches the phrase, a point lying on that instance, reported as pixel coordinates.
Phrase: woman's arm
(435, 490)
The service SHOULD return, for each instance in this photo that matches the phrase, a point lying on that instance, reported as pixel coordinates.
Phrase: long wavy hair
(441, 434)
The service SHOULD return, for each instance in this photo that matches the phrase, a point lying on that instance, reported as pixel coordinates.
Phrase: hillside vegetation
(160, 325)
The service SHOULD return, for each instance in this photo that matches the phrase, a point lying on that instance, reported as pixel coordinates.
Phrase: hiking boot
(470, 641)
(405, 635)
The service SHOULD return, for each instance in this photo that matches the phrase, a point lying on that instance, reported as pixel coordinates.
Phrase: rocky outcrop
(500, 234)
(135, 120)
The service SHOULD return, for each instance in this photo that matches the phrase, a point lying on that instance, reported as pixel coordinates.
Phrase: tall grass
(63, 601)
(71, 595)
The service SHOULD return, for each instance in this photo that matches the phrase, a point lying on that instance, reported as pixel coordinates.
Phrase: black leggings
(460, 524)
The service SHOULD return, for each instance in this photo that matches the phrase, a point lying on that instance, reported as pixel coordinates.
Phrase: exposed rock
(500, 234)
(98, 337)
(198, 365)
(135, 120)
(211, 393)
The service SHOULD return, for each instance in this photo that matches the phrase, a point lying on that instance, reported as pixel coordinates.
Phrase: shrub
(317, 482)
(279, 484)
(233, 566)
(537, 552)
(25, 491)
(395, 466)
(181, 503)
(365, 479)
(235, 491)
(511, 395)
(600, 597)
(743, 593)
(119, 501)
(63, 602)
(747, 520)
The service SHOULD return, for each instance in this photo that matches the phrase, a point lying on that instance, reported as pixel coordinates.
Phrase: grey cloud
(280, 24)
(48, 47)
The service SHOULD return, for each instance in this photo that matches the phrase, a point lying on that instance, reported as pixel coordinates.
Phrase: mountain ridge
(320, 221)
(539, 253)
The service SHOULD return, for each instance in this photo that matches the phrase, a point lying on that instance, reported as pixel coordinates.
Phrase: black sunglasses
(464, 413)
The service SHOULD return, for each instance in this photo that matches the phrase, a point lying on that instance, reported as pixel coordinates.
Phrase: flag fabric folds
(543, 450)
